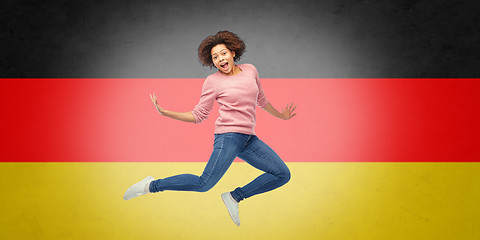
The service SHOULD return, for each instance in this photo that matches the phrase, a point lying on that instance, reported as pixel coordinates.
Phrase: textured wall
(285, 38)
(114, 120)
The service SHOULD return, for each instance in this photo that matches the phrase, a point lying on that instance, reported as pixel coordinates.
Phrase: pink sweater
(237, 96)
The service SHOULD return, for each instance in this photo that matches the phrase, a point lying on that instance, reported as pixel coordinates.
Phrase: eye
(215, 58)
(224, 53)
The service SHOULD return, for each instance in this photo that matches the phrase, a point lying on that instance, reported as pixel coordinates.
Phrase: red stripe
(339, 120)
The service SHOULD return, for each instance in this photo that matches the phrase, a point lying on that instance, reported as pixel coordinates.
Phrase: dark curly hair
(231, 41)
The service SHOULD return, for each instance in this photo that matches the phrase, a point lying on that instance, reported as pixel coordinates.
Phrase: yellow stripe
(323, 200)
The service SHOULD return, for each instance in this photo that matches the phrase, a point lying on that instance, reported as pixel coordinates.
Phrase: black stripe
(348, 38)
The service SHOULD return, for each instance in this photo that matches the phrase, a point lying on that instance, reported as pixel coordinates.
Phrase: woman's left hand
(288, 112)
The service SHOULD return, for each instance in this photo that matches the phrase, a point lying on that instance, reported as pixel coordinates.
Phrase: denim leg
(226, 148)
(261, 156)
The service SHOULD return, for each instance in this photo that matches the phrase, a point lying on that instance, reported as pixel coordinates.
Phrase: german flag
(370, 157)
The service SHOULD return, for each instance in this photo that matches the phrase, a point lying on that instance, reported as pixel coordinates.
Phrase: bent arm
(182, 116)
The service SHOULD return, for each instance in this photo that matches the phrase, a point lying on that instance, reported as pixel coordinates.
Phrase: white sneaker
(232, 207)
(137, 189)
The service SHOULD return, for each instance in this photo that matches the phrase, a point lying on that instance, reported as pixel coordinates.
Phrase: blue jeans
(226, 148)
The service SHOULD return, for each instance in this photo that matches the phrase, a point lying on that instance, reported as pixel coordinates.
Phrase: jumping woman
(237, 90)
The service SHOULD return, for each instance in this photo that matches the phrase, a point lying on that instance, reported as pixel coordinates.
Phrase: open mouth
(224, 66)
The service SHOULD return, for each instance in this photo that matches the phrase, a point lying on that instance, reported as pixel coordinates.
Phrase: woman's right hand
(154, 100)
(182, 116)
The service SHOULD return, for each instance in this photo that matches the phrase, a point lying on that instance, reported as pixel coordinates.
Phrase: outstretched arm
(182, 116)
(286, 113)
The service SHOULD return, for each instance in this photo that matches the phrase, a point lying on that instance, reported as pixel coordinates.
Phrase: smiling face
(222, 58)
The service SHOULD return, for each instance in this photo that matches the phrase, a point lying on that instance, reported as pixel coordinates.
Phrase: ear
(233, 53)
